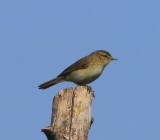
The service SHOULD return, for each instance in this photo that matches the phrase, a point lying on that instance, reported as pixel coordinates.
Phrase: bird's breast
(85, 76)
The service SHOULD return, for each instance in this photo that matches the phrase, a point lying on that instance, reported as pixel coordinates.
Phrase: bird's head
(104, 56)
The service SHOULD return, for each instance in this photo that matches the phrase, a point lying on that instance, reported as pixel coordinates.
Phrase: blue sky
(39, 39)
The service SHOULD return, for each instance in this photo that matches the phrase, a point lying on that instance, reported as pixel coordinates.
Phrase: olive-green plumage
(84, 71)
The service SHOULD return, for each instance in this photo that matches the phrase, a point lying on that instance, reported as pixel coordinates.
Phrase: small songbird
(84, 71)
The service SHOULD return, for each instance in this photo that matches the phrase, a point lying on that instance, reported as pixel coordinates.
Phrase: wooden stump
(71, 114)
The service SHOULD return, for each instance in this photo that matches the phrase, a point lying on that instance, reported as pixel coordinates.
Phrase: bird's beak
(114, 59)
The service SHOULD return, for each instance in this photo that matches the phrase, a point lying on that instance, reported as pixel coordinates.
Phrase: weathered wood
(71, 114)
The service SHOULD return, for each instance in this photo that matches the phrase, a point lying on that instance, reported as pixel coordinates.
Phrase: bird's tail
(50, 83)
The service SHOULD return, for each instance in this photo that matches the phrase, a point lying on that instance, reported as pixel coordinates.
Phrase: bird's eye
(104, 55)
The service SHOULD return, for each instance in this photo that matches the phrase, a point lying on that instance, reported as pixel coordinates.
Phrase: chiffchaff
(84, 71)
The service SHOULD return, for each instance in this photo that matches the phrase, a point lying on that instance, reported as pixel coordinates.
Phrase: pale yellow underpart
(85, 76)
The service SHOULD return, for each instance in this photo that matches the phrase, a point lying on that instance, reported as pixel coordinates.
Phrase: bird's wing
(80, 64)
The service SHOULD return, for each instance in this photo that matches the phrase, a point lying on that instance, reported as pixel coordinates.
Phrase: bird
(83, 71)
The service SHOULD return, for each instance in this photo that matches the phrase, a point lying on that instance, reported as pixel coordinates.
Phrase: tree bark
(71, 114)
